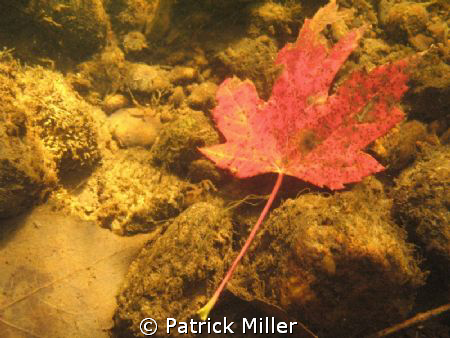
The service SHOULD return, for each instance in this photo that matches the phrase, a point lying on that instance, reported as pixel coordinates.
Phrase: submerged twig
(420, 317)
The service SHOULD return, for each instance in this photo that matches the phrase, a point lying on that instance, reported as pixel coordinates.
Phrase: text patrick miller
(254, 325)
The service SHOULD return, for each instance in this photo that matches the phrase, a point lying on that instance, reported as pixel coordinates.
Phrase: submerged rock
(203, 96)
(339, 263)
(127, 194)
(62, 120)
(399, 147)
(114, 102)
(134, 42)
(178, 142)
(180, 75)
(422, 204)
(174, 273)
(46, 133)
(253, 59)
(26, 171)
(147, 79)
(134, 127)
(72, 24)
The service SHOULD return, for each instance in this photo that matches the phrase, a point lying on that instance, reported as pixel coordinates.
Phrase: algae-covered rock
(26, 168)
(147, 79)
(25, 171)
(203, 169)
(25, 175)
(274, 19)
(134, 127)
(47, 133)
(181, 75)
(174, 273)
(253, 59)
(114, 102)
(127, 194)
(52, 32)
(178, 142)
(153, 17)
(61, 119)
(106, 72)
(73, 24)
(134, 42)
(399, 147)
(203, 96)
(422, 204)
(429, 97)
(405, 18)
(337, 263)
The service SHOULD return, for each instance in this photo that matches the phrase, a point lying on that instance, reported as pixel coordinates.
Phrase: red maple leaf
(303, 130)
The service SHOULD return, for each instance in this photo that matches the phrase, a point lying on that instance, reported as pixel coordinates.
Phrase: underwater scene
(225, 168)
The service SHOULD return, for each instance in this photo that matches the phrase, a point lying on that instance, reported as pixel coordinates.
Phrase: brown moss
(126, 194)
(60, 118)
(400, 147)
(174, 274)
(27, 172)
(338, 263)
(178, 142)
(253, 59)
(421, 204)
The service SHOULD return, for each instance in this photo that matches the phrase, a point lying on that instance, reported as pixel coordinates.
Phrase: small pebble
(146, 78)
(113, 102)
(134, 42)
(183, 75)
(203, 96)
(134, 127)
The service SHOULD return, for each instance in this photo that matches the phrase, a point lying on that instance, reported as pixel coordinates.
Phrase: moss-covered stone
(127, 194)
(339, 264)
(178, 142)
(174, 273)
(52, 32)
(202, 97)
(429, 98)
(60, 118)
(25, 175)
(106, 72)
(72, 23)
(399, 147)
(405, 19)
(26, 170)
(147, 79)
(253, 59)
(422, 204)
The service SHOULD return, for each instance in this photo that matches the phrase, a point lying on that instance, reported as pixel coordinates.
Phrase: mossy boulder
(73, 24)
(175, 272)
(127, 194)
(422, 204)
(253, 59)
(26, 171)
(62, 120)
(52, 32)
(25, 174)
(398, 149)
(48, 134)
(179, 140)
(429, 97)
(339, 263)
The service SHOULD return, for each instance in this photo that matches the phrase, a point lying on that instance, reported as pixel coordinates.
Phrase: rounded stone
(134, 127)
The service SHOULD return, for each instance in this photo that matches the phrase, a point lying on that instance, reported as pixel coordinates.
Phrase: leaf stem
(204, 311)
